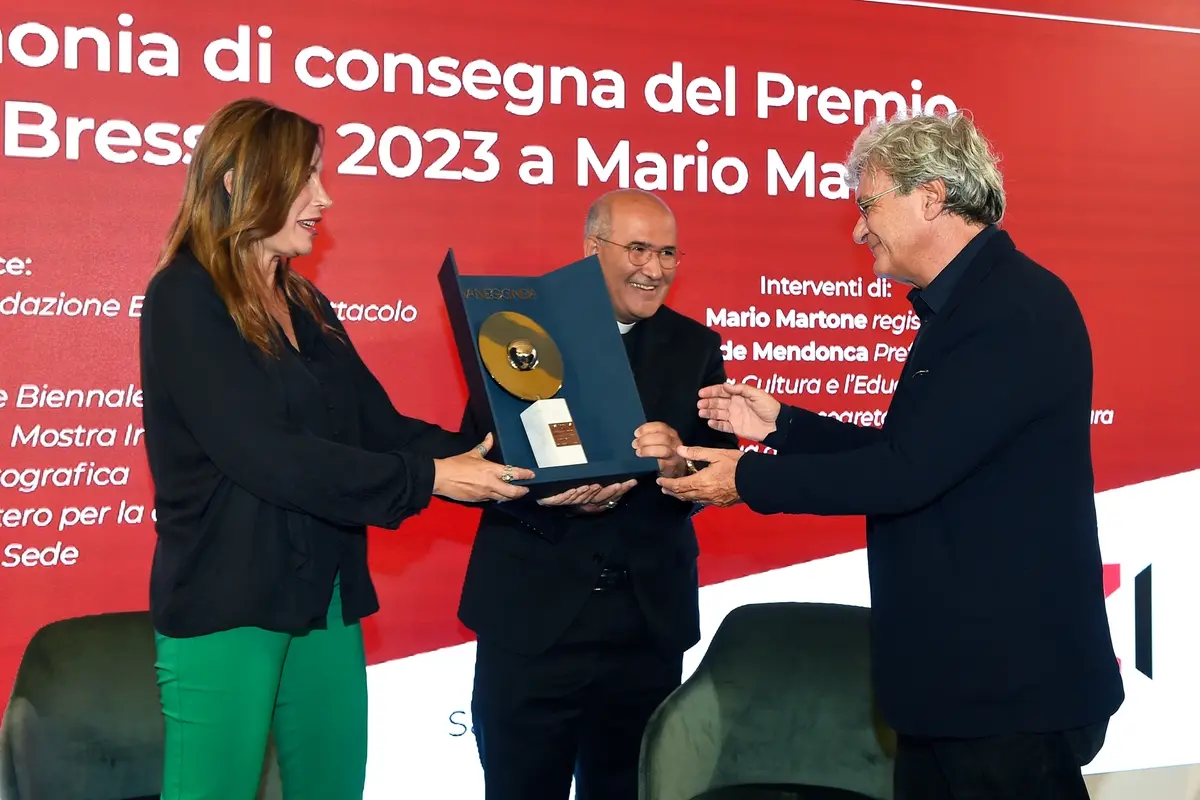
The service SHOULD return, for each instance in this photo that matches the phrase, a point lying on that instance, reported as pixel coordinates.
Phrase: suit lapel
(992, 253)
(989, 255)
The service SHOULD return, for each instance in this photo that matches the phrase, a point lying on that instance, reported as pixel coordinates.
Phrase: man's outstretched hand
(740, 409)
(714, 485)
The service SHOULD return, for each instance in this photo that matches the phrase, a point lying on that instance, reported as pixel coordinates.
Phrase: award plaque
(546, 367)
(520, 356)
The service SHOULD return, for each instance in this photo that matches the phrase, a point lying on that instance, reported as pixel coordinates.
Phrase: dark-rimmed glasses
(639, 253)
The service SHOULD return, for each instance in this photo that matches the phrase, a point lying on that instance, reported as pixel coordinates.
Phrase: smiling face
(296, 236)
(639, 228)
(899, 229)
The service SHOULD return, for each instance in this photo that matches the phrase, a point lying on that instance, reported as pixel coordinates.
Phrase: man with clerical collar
(584, 604)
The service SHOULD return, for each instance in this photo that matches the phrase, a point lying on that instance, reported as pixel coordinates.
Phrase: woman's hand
(471, 478)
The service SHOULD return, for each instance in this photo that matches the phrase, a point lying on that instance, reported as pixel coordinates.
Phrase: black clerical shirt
(618, 558)
(266, 470)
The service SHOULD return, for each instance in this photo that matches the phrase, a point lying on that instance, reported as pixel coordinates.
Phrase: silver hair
(920, 149)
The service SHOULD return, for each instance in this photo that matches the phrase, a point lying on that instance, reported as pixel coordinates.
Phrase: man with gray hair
(992, 656)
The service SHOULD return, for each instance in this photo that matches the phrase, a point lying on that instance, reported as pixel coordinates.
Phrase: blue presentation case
(572, 304)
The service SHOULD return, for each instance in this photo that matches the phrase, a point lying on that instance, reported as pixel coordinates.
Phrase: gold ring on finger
(507, 477)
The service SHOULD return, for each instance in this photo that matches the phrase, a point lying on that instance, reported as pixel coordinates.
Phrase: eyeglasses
(639, 253)
(866, 204)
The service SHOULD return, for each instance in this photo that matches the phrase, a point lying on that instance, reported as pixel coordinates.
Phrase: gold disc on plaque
(520, 356)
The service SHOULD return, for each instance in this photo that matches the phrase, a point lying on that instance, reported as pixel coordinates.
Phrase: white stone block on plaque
(552, 434)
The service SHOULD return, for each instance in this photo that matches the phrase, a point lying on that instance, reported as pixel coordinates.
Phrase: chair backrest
(85, 720)
(782, 696)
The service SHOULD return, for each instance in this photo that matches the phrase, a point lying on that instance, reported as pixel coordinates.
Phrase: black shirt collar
(929, 301)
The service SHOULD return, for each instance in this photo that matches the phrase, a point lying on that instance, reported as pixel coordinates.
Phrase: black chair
(84, 720)
(780, 708)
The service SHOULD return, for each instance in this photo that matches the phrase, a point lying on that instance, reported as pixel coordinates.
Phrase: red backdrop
(1098, 145)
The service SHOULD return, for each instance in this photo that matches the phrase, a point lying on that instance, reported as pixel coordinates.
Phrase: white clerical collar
(625, 327)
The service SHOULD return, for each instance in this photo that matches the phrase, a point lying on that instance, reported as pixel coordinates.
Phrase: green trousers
(222, 694)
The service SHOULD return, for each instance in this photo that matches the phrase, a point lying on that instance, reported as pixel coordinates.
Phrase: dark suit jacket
(988, 611)
(532, 567)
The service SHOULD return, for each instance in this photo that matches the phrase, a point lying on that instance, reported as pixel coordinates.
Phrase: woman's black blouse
(267, 470)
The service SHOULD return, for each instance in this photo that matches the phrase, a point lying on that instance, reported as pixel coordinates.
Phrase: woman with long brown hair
(271, 447)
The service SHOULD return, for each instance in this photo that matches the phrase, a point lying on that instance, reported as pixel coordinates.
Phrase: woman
(271, 448)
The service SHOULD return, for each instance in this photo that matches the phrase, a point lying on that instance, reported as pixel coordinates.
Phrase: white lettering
(524, 85)
(896, 323)
(734, 352)
(702, 95)
(869, 419)
(370, 312)
(25, 517)
(17, 555)
(724, 318)
(833, 185)
(413, 153)
(832, 104)
(88, 516)
(34, 45)
(687, 172)
(15, 267)
(85, 473)
(890, 352)
(79, 436)
(824, 320)
(31, 395)
(809, 352)
(869, 384)
(32, 130)
(810, 288)
(779, 384)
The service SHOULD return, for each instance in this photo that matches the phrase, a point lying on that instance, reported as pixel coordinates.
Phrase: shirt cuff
(777, 440)
(423, 471)
(751, 479)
